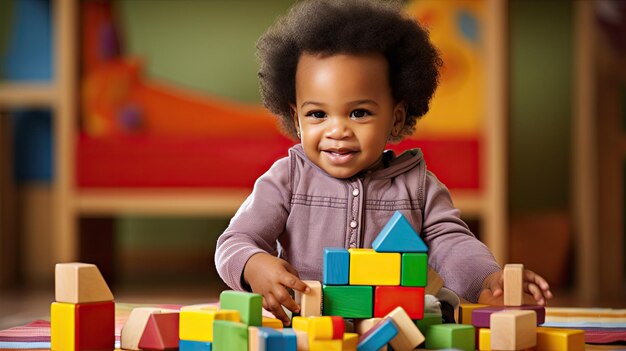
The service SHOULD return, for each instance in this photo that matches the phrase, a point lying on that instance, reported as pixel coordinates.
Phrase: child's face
(345, 111)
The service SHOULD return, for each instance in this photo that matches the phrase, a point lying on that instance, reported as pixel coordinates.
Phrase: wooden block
(409, 336)
(481, 317)
(310, 303)
(387, 298)
(361, 326)
(302, 339)
(77, 327)
(134, 327)
(348, 301)
(161, 332)
(202, 306)
(484, 339)
(270, 322)
(465, 312)
(368, 267)
(254, 342)
(560, 339)
(249, 305)
(414, 270)
(457, 336)
(321, 328)
(230, 336)
(197, 325)
(267, 339)
(377, 337)
(336, 269)
(301, 323)
(428, 320)
(513, 330)
(80, 283)
(513, 288)
(398, 235)
(435, 282)
(290, 340)
(350, 341)
(189, 345)
(325, 345)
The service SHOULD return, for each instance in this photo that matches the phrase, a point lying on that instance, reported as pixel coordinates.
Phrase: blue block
(188, 345)
(290, 341)
(380, 336)
(336, 266)
(398, 236)
(270, 339)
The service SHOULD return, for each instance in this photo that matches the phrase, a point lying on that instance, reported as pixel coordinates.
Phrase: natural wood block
(78, 327)
(135, 325)
(560, 339)
(363, 325)
(310, 303)
(414, 270)
(377, 337)
(435, 282)
(249, 305)
(302, 339)
(451, 336)
(387, 298)
(230, 336)
(513, 330)
(465, 312)
(398, 235)
(409, 336)
(80, 283)
(161, 332)
(368, 267)
(481, 317)
(336, 268)
(513, 288)
(197, 325)
(348, 301)
(264, 339)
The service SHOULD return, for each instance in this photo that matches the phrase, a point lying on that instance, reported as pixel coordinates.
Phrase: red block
(338, 327)
(95, 326)
(161, 332)
(411, 299)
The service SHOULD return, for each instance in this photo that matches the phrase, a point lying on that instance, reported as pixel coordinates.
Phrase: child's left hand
(536, 289)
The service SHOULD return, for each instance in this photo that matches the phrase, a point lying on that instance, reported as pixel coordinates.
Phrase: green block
(428, 320)
(414, 269)
(249, 306)
(348, 301)
(451, 336)
(229, 336)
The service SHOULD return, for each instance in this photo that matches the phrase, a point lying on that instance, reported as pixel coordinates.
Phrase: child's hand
(536, 289)
(270, 276)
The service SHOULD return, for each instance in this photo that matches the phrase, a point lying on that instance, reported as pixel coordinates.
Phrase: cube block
(336, 266)
(88, 326)
(414, 270)
(249, 305)
(452, 336)
(387, 298)
(348, 301)
(368, 267)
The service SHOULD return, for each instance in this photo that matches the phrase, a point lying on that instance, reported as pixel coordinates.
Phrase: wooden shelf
(203, 202)
(470, 202)
(27, 94)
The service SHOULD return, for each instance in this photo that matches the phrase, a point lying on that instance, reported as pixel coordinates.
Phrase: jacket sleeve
(454, 252)
(256, 225)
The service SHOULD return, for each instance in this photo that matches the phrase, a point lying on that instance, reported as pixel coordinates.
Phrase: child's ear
(399, 116)
(294, 116)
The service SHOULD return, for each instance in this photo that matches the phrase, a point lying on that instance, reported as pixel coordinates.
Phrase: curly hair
(329, 27)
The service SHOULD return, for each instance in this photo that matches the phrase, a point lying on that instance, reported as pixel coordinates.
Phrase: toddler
(345, 78)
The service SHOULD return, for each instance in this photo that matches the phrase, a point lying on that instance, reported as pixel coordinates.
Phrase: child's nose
(338, 128)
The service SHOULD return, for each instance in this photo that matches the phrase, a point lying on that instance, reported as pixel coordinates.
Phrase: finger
(535, 278)
(284, 298)
(536, 292)
(276, 309)
(496, 287)
(292, 281)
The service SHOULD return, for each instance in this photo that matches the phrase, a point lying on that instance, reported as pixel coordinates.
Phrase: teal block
(290, 340)
(189, 345)
(248, 304)
(428, 320)
(229, 336)
(348, 301)
(414, 271)
(379, 336)
(457, 336)
(336, 266)
(398, 236)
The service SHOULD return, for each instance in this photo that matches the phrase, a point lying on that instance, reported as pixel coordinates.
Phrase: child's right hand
(271, 276)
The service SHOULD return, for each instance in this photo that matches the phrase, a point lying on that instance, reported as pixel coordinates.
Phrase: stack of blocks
(83, 316)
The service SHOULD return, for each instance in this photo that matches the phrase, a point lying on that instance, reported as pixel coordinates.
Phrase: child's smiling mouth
(339, 156)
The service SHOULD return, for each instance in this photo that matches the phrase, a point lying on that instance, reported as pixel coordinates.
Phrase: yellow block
(321, 328)
(62, 326)
(484, 339)
(368, 267)
(350, 341)
(560, 339)
(272, 323)
(325, 345)
(465, 312)
(197, 325)
(301, 323)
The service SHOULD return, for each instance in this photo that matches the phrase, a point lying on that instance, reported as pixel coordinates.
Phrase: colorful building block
(134, 327)
(350, 341)
(409, 336)
(387, 298)
(264, 339)
(270, 322)
(80, 283)
(398, 236)
(77, 327)
(249, 305)
(311, 302)
(513, 288)
(368, 267)
(229, 336)
(414, 270)
(302, 339)
(428, 320)
(197, 325)
(336, 269)
(458, 336)
(325, 345)
(560, 339)
(361, 326)
(189, 345)
(161, 332)
(348, 301)
(465, 312)
(290, 340)
(513, 330)
(484, 339)
(377, 337)
(481, 317)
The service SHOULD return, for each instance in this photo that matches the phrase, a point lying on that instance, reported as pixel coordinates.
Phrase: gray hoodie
(296, 209)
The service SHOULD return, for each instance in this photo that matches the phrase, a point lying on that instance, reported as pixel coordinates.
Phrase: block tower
(83, 316)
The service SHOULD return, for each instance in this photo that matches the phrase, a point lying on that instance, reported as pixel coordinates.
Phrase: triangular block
(135, 325)
(80, 283)
(398, 236)
(161, 332)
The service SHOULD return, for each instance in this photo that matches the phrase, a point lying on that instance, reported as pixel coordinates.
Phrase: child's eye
(316, 114)
(359, 113)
